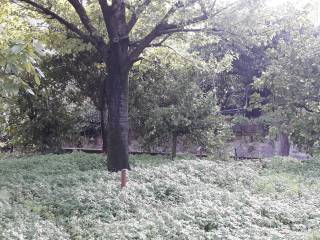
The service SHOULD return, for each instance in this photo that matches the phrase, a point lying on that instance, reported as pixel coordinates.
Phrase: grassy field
(72, 197)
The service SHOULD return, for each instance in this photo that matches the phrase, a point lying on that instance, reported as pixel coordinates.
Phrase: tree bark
(103, 116)
(117, 89)
(103, 123)
(118, 125)
(284, 147)
(174, 145)
(115, 55)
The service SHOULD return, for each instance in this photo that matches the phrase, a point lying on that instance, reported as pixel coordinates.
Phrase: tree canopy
(166, 67)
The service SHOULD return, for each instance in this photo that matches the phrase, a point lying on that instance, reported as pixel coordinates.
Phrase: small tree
(167, 103)
(293, 78)
(85, 72)
(42, 120)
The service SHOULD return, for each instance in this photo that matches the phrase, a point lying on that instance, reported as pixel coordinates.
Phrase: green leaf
(38, 47)
(17, 48)
(11, 68)
(37, 79)
(28, 66)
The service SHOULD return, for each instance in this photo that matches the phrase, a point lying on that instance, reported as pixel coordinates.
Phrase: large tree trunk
(117, 102)
(103, 116)
(118, 125)
(284, 147)
(103, 124)
(116, 58)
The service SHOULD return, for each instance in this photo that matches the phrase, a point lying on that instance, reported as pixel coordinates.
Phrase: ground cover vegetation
(71, 196)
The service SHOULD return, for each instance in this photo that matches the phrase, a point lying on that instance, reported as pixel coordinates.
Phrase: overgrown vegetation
(71, 197)
(200, 76)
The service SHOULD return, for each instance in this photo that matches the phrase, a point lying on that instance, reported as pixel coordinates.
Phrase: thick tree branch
(146, 41)
(139, 46)
(83, 16)
(163, 27)
(70, 26)
(159, 44)
(105, 9)
(177, 30)
(194, 20)
(202, 17)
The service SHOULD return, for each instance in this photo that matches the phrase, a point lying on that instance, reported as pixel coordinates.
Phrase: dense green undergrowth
(72, 197)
